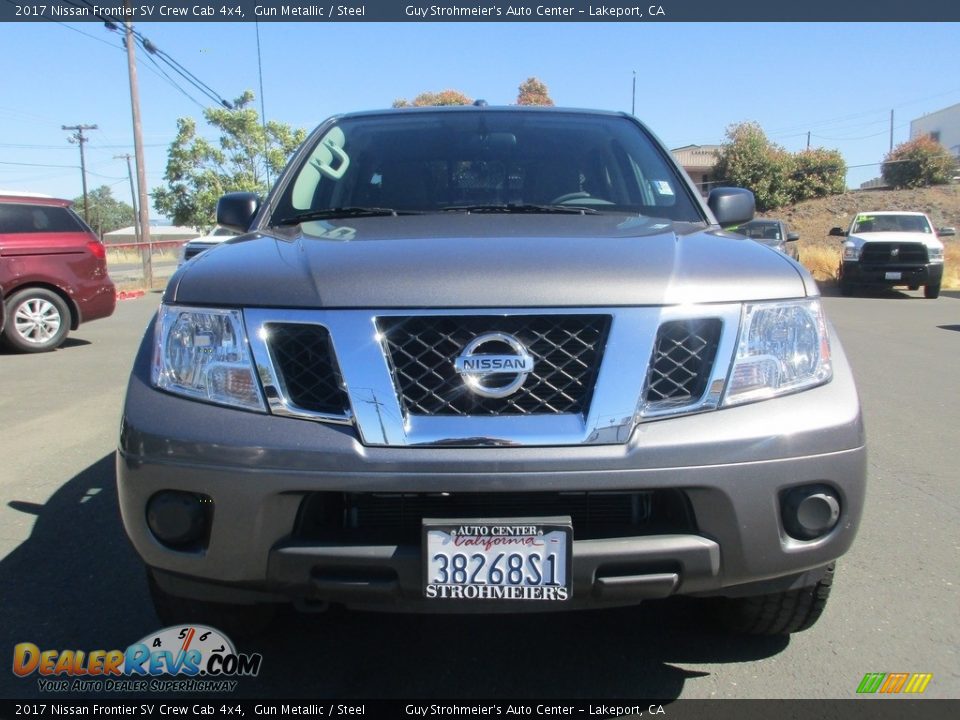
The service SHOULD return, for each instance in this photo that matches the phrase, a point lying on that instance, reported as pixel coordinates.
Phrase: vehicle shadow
(871, 291)
(76, 583)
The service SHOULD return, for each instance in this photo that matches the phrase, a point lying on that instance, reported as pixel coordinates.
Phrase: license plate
(498, 559)
(892, 276)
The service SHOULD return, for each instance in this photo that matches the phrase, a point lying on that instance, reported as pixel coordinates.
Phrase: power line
(5, 162)
(113, 23)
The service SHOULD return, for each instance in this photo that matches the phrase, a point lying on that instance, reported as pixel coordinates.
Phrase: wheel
(234, 620)
(931, 291)
(38, 320)
(778, 613)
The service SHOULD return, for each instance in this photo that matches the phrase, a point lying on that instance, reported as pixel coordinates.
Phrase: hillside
(814, 218)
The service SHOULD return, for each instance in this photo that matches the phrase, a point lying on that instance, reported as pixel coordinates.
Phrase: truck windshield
(891, 223)
(450, 161)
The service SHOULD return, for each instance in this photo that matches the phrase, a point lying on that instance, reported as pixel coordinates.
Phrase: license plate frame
(495, 540)
(893, 276)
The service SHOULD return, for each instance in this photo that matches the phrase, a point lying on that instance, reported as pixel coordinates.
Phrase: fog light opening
(810, 512)
(179, 520)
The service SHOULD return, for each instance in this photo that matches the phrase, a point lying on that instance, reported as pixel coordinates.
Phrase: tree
(918, 163)
(425, 99)
(749, 160)
(106, 213)
(533, 92)
(817, 173)
(245, 158)
(776, 176)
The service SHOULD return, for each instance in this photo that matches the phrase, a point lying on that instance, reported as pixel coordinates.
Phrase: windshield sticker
(662, 187)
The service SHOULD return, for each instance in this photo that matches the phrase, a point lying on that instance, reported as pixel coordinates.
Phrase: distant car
(773, 233)
(53, 272)
(892, 248)
(194, 247)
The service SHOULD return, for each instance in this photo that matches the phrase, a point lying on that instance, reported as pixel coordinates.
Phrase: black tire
(931, 291)
(234, 620)
(778, 613)
(38, 320)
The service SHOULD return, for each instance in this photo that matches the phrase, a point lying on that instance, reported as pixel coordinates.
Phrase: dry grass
(822, 262)
(951, 267)
(132, 255)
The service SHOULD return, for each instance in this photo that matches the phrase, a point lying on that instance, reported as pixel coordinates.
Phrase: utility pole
(808, 139)
(144, 207)
(133, 195)
(79, 139)
(891, 131)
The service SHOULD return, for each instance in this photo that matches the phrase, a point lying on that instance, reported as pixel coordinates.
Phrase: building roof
(696, 156)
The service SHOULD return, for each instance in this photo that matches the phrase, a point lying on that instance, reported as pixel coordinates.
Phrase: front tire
(931, 291)
(38, 320)
(234, 620)
(778, 613)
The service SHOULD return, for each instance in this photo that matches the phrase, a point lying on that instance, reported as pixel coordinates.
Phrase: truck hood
(931, 241)
(487, 260)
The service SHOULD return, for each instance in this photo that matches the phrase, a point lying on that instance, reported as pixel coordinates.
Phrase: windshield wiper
(342, 212)
(525, 208)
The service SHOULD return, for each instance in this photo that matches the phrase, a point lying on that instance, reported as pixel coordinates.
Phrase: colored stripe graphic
(891, 683)
(918, 682)
(871, 682)
(894, 682)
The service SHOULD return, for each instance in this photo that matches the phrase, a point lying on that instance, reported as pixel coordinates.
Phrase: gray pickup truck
(490, 359)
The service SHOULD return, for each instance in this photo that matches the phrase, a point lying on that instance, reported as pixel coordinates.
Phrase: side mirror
(793, 237)
(946, 231)
(731, 206)
(837, 232)
(236, 210)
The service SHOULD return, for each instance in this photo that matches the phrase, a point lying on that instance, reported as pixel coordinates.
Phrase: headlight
(851, 252)
(783, 347)
(203, 354)
(935, 254)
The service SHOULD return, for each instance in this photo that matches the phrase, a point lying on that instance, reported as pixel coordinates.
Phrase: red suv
(53, 273)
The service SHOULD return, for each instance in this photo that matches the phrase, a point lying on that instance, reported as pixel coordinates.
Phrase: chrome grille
(893, 253)
(308, 370)
(682, 360)
(567, 350)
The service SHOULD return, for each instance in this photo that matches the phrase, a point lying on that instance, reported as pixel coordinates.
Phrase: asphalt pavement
(69, 579)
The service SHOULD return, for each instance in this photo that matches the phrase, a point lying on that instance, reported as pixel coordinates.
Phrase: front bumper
(857, 273)
(731, 466)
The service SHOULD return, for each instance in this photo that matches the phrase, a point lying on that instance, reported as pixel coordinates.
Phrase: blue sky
(838, 81)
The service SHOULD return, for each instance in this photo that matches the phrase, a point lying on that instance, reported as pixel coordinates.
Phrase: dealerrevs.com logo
(191, 658)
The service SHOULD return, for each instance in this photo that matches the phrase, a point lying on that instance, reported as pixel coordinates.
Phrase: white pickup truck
(892, 248)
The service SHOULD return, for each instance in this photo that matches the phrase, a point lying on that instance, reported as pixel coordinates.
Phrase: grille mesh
(682, 360)
(397, 517)
(304, 358)
(567, 350)
(893, 253)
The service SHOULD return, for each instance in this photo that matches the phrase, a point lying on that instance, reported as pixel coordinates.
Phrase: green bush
(918, 163)
(817, 173)
(776, 177)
